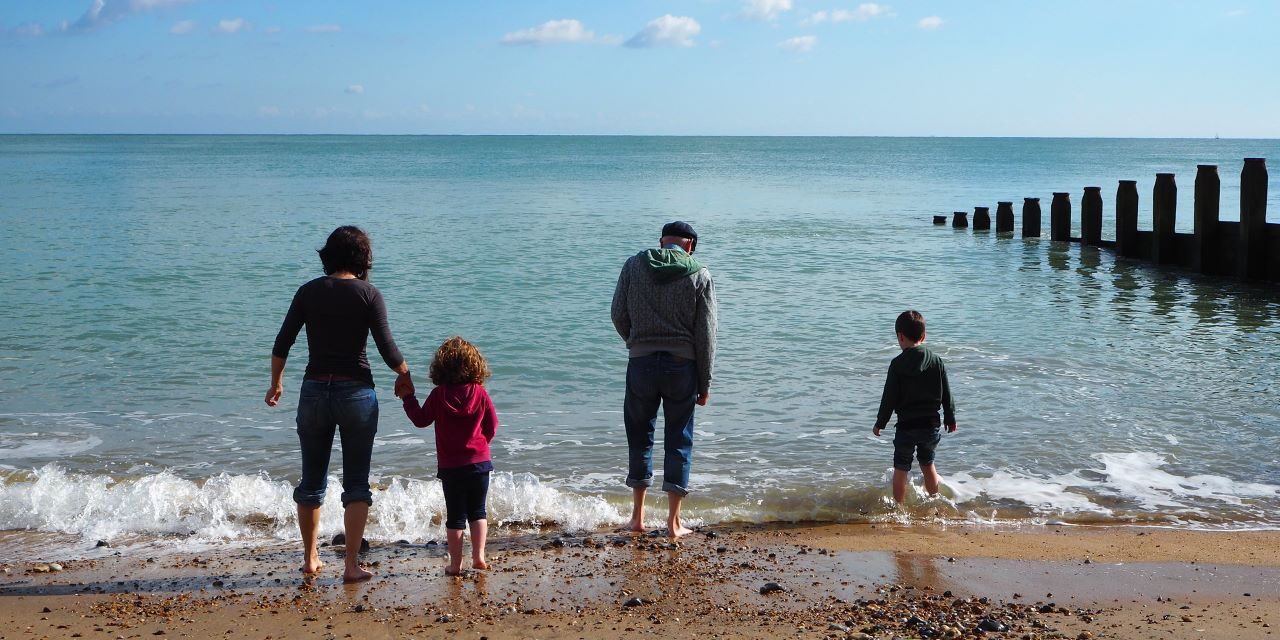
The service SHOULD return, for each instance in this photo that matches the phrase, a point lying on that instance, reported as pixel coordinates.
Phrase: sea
(148, 276)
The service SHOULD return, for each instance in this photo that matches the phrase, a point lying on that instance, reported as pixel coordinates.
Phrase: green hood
(669, 265)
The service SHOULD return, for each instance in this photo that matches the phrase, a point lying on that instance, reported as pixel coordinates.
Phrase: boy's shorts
(923, 442)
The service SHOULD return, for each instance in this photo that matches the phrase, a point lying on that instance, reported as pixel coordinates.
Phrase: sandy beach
(815, 581)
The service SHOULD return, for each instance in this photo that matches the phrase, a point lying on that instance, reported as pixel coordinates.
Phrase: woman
(340, 310)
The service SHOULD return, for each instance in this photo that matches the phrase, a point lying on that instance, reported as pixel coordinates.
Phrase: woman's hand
(274, 393)
(404, 385)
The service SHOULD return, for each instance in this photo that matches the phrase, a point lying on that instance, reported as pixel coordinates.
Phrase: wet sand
(814, 581)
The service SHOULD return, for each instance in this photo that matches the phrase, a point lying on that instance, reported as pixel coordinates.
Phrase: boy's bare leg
(931, 479)
(455, 552)
(353, 518)
(674, 528)
(637, 509)
(899, 485)
(309, 525)
(479, 533)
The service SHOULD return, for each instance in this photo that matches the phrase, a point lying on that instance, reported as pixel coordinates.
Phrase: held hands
(273, 394)
(404, 385)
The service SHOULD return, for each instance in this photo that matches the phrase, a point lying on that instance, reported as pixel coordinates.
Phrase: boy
(916, 387)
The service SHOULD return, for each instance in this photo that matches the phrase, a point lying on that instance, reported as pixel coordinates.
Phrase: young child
(916, 387)
(465, 425)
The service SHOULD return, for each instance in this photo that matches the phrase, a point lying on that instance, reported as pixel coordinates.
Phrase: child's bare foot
(479, 564)
(454, 572)
(356, 575)
(311, 567)
(636, 525)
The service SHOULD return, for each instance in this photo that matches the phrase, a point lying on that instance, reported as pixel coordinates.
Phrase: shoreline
(835, 581)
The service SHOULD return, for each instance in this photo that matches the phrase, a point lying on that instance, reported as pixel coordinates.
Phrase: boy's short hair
(910, 324)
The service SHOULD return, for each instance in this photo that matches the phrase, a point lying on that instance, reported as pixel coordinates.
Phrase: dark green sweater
(916, 387)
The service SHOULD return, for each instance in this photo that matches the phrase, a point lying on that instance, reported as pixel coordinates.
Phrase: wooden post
(1004, 217)
(1060, 217)
(1091, 216)
(1204, 256)
(939, 219)
(960, 220)
(1031, 217)
(1251, 247)
(1164, 205)
(982, 218)
(1127, 219)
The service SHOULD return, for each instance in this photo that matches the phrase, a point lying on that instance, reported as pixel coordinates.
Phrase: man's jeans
(351, 408)
(671, 381)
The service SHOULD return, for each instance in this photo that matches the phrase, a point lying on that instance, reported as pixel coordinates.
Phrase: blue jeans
(351, 408)
(671, 381)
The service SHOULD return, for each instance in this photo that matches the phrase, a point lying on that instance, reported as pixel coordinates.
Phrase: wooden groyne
(1248, 249)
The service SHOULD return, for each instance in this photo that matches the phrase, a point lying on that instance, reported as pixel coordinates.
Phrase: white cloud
(765, 9)
(799, 44)
(669, 30)
(552, 31)
(355, 89)
(103, 12)
(30, 30)
(930, 23)
(182, 27)
(865, 11)
(234, 25)
(324, 28)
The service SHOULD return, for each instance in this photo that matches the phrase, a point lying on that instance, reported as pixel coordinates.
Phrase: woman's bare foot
(676, 530)
(636, 525)
(356, 575)
(479, 564)
(311, 567)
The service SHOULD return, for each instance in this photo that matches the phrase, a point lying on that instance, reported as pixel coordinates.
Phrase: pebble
(448, 617)
(633, 602)
(103, 543)
(989, 625)
(770, 587)
(836, 626)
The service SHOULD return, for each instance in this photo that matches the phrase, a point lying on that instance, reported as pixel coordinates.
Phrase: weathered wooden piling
(1004, 217)
(1251, 246)
(1164, 205)
(939, 219)
(1031, 217)
(982, 218)
(960, 219)
(1205, 239)
(1127, 219)
(1091, 216)
(1060, 217)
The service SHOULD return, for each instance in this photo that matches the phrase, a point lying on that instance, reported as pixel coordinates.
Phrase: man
(664, 307)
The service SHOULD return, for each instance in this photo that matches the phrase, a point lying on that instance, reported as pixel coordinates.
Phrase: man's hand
(274, 393)
(703, 398)
(951, 428)
(404, 385)
(876, 430)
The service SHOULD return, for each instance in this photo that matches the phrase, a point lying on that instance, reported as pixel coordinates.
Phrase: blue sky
(1161, 68)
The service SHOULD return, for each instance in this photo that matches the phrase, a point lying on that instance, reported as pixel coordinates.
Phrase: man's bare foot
(356, 575)
(454, 572)
(311, 567)
(677, 531)
(479, 564)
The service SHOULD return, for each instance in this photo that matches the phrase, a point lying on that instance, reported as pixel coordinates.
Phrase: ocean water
(149, 275)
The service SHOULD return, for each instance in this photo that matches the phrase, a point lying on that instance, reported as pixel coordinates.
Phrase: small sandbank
(742, 581)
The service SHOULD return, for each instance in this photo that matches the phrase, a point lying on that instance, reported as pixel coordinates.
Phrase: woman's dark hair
(911, 325)
(347, 249)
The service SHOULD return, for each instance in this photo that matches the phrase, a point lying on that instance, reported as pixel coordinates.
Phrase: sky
(1107, 68)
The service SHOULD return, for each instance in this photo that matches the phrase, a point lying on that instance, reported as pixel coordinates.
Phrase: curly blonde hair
(459, 362)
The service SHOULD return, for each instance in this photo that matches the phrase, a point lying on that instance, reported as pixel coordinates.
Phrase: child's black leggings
(465, 493)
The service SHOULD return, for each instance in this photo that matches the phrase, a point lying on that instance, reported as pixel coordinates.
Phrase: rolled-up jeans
(349, 407)
(660, 378)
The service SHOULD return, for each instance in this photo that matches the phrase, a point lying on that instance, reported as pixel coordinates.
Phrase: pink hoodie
(465, 422)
